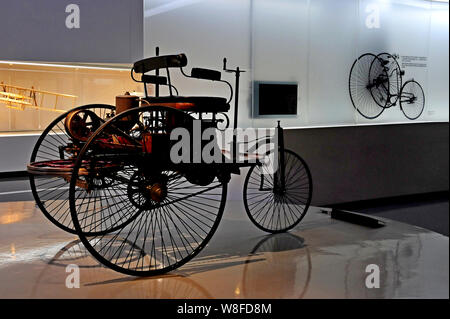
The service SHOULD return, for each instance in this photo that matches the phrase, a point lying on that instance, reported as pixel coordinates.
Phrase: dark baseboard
(13, 174)
(405, 199)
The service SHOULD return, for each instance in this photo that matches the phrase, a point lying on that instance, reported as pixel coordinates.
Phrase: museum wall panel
(71, 31)
(32, 95)
(311, 43)
(331, 35)
(48, 33)
(438, 65)
(206, 31)
(356, 163)
(279, 54)
(314, 43)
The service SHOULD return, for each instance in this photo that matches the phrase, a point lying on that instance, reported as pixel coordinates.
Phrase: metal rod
(236, 109)
(157, 74)
(236, 99)
(170, 83)
(281, 148)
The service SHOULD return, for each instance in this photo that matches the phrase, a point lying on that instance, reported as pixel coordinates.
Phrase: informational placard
(414, 61)
(98, 31)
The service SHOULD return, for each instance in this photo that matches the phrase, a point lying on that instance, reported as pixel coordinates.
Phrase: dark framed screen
(276, 98)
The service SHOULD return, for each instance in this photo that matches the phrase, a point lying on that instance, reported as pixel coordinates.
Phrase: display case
(33, 94)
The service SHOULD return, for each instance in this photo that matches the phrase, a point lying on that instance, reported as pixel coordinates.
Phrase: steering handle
(237, 70)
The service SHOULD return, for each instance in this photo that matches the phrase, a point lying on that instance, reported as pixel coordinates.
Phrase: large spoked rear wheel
(51, 192)
(367, 86)
(156, 218)
(271, 208)
(412, 100)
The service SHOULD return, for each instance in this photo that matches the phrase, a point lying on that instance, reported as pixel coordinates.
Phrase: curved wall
(367, 162)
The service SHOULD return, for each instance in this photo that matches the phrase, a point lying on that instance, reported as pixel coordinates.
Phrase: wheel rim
(379, 78)
(361, 77)
(147, 234)
(276, 213)
(163, 238)
(51, 193)
(412, 100)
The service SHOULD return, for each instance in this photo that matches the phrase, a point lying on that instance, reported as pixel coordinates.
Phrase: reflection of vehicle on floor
(294, 274)
(135, 209)
(94, 276)
(376, 83)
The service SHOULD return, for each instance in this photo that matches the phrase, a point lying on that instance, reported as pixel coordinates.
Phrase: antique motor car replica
(107, 174)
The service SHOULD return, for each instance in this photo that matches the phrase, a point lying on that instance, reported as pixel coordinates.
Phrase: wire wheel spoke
(412, 99)
(143, 219)
(51, 192)
(268, 207)
(369, 86)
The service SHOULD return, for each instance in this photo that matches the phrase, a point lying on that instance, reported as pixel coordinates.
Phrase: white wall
(206, 31)
(332, 35)
(405, 30)
(16, 152)
(438, 67)
(280, 51)
(312, 42)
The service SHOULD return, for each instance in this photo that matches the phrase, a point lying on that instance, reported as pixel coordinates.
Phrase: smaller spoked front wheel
(272, 205)
(412, 99)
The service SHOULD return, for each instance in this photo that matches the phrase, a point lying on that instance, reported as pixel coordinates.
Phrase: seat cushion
(193, 103)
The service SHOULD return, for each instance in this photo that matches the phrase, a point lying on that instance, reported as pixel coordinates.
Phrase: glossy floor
(320, 258)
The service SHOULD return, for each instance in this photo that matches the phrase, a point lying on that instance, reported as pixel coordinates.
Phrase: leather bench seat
(192, 103)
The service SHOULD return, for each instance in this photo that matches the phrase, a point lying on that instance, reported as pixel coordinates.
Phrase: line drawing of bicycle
(376, 84)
